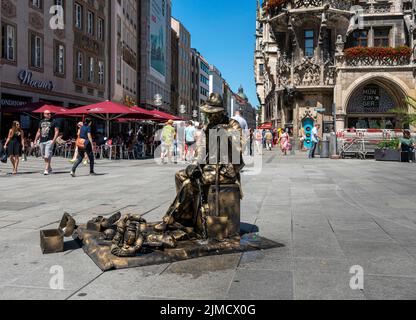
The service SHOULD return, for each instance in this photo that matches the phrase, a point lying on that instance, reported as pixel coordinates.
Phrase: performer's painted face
(215, 117)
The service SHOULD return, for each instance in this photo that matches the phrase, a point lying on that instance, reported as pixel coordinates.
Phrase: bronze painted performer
(212, 167)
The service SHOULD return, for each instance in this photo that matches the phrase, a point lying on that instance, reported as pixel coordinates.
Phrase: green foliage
(392, 144)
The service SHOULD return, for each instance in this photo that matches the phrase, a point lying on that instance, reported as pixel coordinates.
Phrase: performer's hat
(213, 105)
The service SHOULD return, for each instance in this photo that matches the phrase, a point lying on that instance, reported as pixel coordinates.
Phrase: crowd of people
(178, 141)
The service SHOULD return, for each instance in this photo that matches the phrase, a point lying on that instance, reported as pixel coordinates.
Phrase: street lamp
(158, 100)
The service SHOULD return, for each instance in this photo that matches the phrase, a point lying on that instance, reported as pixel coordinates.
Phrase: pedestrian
(259, 141)
(48, 133)
(269, 140)
(251, 141)
(302, 139)
(199, 140)
(15, 144)
(407, 144)
(76, 152)
(190, 141)
(315, 140)
(167, 139)
(284, 142)
(84, 137)
(244, 127)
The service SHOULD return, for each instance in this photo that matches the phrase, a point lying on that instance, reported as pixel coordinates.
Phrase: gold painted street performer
(218, 161)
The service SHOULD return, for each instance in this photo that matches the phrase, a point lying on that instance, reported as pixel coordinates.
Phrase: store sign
(25, 78)
(371, 97)
(12, 103)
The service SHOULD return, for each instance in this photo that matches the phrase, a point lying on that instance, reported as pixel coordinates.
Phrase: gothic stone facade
(310, 60)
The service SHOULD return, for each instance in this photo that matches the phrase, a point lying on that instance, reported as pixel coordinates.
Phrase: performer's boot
(161, 227)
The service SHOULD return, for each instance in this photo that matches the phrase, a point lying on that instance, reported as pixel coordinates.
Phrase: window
(37, 4)
(309, 38)
(36, 51)
(78, 16)
(119, 70)
(101, 29)
(101, 73)
(360, 38)
(261, 69)
(91, 70)
(90, 23)
(59, 59)
(382, 37)
(118, 25)
(80, 66)
(8, 42)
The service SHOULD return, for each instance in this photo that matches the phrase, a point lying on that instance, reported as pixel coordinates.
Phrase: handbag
(80, 143)
(3, 155)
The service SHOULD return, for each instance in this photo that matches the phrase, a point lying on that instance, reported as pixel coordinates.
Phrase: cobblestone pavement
(330, 215)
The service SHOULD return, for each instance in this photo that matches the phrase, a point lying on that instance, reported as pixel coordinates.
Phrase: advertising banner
(158, 39)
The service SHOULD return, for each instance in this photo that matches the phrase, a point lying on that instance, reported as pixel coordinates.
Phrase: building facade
(123, 59)
(195, 84)
(216, 81)
(345, 62)
(155, 53)
(174, 91)
(58, 58)
(184, 69)
(240, 103)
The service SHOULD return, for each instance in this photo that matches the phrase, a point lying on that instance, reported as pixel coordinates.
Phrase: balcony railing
(366, 56)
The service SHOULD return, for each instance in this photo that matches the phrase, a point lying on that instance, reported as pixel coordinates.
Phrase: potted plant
(388, 150)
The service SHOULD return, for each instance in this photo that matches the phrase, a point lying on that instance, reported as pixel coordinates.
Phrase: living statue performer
(211, 167)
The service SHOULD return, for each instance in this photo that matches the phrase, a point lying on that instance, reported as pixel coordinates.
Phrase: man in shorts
(48, 133)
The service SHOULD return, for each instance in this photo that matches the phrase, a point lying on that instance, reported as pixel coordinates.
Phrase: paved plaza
(330, 215)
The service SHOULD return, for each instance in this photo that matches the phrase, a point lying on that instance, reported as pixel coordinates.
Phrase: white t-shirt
(315, 137)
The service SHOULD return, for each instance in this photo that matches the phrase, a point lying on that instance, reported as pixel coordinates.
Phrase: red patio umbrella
(165, 116)
(109, 111)
(51, 108)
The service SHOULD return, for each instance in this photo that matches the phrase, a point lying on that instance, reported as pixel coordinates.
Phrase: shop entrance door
(308, 126)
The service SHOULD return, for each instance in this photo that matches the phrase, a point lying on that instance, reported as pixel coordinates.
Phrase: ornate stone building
(353, 57)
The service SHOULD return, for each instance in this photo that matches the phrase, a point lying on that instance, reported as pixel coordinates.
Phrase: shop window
(382, 37)
(8, 42)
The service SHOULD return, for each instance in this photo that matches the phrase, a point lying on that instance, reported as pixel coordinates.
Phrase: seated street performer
(216, 163)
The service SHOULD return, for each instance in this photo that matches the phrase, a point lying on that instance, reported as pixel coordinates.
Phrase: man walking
(48, 133)
(315, 140)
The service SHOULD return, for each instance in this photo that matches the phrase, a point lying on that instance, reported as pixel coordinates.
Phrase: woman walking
(284, 142)
(84, 134)
(15, 144)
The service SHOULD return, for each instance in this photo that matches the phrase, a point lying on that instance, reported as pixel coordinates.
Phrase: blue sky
(223, 32)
